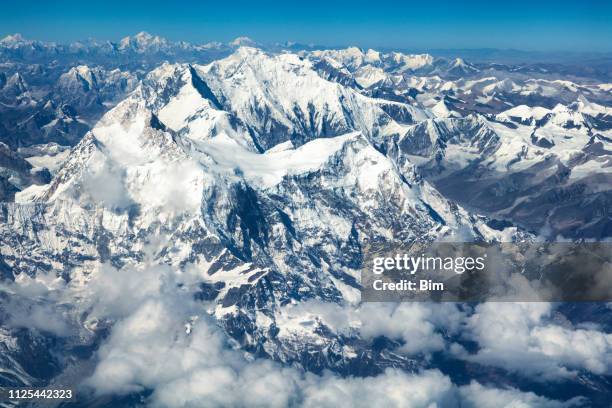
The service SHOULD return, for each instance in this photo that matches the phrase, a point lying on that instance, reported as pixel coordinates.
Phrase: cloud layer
(164, 341)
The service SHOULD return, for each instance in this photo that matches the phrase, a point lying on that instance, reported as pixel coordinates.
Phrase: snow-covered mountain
(394, 62)
(240, 197)
(543, 169)
(267, 219)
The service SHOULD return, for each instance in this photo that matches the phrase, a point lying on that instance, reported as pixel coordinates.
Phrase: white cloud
(476, 395)
(415, 324)
(149, 347)
(394, 388)
(521, 337)
(152, 349)
(32, 304)
(39, 316)
(104, 184)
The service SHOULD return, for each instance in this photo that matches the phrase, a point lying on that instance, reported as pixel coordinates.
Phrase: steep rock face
(14, 90)
(49, 123)
(90, 89)
(16, 174)
(260, 90)
(52, 114)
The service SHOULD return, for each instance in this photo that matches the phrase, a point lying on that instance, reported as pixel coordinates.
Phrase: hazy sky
(530, 25)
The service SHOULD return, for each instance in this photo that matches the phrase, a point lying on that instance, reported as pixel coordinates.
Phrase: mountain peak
(13, 39)
(460, 66)
(583, 105)
(443, 110)
(243, 41)
(17, 80)
(459, 62)
(355, 51)
(143, 41)
(143, 35)
(412, 61)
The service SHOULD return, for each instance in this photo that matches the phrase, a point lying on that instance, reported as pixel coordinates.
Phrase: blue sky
(528, 25)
